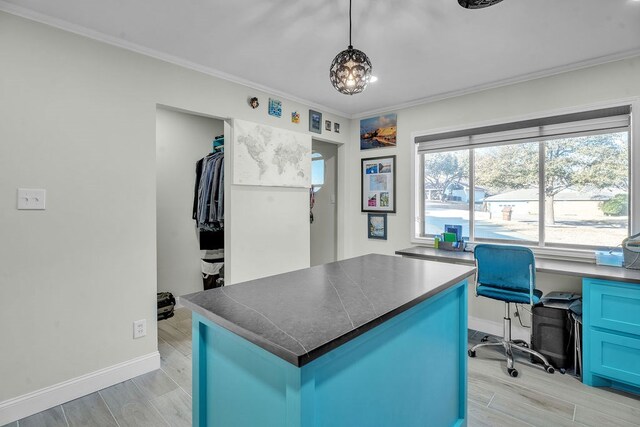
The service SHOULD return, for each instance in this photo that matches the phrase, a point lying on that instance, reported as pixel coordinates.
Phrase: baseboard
(496, 328)
(31, 403)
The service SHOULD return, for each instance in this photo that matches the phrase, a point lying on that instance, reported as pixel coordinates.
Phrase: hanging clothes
(209, 194)
(197, 188)
(208, 202)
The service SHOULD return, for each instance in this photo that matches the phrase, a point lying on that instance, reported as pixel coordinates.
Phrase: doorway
(182, 138)
(324, 181)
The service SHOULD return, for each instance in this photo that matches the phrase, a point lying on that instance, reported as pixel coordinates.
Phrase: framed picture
(378, 132)
(327, 125)
(275, 107)
(377, 226)
(315, 121)
(336, 127)
(378, 184)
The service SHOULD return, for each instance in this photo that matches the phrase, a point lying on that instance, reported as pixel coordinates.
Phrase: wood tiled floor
(535, 398)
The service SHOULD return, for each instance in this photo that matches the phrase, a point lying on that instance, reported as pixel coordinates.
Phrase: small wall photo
(315, 121)
(378, 132)
(377, 226)
(275, 107)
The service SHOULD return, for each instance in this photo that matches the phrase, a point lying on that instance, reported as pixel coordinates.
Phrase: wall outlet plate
(139, 328)
(31, 198)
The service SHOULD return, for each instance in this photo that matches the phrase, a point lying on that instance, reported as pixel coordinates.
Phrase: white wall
(181, 140)
(266, 228)
(78, 117)
(269, 230)
(585, 87)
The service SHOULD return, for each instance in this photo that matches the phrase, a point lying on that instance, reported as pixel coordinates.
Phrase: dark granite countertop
(301, 315)
(570, 268)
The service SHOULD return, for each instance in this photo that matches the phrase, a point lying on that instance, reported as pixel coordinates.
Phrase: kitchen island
(369, 341)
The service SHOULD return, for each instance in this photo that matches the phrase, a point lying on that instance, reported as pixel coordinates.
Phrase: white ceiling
(420, 49)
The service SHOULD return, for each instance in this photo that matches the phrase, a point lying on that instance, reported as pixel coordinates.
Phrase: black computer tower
(551, 335)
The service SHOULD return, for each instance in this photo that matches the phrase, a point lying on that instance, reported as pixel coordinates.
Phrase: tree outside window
(585, 187)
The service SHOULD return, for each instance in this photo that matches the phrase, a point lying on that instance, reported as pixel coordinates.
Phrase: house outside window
(564, 183)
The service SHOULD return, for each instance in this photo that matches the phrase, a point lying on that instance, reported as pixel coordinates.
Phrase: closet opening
(189, 211)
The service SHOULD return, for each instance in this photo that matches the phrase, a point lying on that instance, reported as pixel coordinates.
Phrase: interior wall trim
(134, 47)
(114, 41)
(31, 403)
(500, 83)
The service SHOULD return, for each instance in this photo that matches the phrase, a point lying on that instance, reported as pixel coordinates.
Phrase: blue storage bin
(614, 259)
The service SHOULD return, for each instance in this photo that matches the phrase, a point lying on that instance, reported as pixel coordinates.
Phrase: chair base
(509, 345)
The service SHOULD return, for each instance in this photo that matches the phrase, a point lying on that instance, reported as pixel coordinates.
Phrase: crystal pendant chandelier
(351, 69)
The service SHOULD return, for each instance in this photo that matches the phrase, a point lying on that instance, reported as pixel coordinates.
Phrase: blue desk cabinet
(408, 371)
(611, 334)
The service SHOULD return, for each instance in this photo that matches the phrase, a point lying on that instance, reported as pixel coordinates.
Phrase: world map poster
(268, 156)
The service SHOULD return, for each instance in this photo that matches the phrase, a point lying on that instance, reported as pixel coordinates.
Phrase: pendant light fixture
(477, 4)
(351, 69)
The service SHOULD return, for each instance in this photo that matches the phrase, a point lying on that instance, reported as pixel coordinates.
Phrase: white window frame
(562, 253)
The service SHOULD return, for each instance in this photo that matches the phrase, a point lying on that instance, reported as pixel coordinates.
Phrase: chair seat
(507, 295)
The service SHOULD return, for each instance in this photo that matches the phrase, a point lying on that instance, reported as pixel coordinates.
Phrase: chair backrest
(505, 266)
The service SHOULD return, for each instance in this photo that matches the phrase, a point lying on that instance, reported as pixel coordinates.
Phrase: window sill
(586, 256)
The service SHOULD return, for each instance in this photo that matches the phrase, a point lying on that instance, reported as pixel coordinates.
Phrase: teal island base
(408, 371)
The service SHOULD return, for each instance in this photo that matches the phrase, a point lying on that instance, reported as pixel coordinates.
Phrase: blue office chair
(507, 273)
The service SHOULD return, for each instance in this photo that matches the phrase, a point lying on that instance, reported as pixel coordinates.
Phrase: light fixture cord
(350, 23)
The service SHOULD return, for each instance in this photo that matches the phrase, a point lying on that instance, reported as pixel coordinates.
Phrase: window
(446, 199)
(507, 196)
(317, 171)
(563, 182)
(586, 190)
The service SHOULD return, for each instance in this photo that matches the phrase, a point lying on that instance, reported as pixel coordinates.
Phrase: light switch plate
(31, 198)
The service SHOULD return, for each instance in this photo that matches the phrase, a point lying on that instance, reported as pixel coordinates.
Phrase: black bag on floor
(166, 303)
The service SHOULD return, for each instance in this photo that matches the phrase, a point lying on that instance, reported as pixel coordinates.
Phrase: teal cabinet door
(616, 356)
(611, 334)
(615, 306)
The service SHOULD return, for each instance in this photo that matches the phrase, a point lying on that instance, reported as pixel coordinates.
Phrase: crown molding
(504, 82)
(134, 47)
(114, 41)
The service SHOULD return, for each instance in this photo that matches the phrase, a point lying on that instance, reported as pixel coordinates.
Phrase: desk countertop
(571, 268)
(301, 315)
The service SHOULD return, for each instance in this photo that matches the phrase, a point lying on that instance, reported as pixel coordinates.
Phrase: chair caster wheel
(471, 353)
(485, 338)
(513, 372)
(549, 369)
(563, 371)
